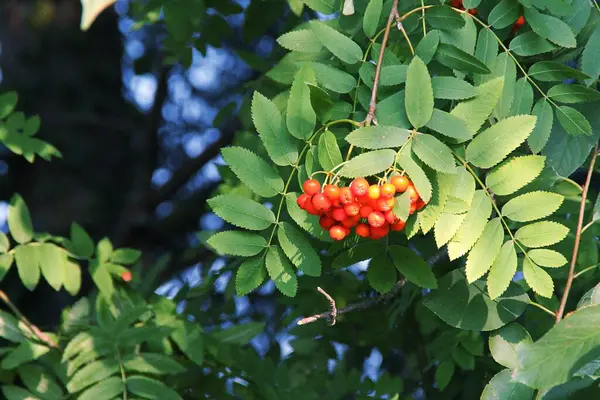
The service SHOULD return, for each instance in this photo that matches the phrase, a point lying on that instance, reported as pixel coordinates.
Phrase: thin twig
(384, 298)
(570, 277)
(34, 329)
(386, 35)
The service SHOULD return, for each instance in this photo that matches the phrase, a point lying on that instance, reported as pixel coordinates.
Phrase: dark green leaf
(545, 118)
(149, 388)
(340, 45)
(448, 87)
(427, 47)
(445, 18)
(281, 271)
(237, 243)
(253, 171)
(309, 223)
(329, 152)
(574, 122)
(502, 387)
(378, 137)
(505, 13)
(152, 363)
(371, 17)
(8, 102)
(523, 99)
(413, 267)
(455, 58)
(19, 220)
(419, 93)
(448, 125)
(125, 256)
(242, 212)
(572, 93)
(590, 58)
(298, 249)
(301, 118)
(22, 354)
(303, 40)
(530, 44)
(250, 275)
(381, 274)
(240, 334)
(333, 79)
(552, 71)
(393, 75)
(505, 342)
(92, 373)
(82, 242)
(443, 374)
(550, 28)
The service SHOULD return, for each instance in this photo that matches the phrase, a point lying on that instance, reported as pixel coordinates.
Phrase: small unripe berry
(363, 230)
(352, 209)
(326, 222)
(359, 187)
(374, 192)
(346, 196)
(321, 202)
(376, 219)
(388, 190)
(337, 232)
(339, 214)
(332, 192)
(302, 199)
(400, 182)
(311, 187)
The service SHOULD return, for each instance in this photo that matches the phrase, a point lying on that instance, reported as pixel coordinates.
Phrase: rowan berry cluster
(368, 208)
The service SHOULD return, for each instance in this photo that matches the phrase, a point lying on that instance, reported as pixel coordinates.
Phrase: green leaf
(149, 388)
(392, 112)
(370, 163)
(412, 267)
(448, 87)
(19, 220)
(39, 382)
(449, 125)
(419, 93)
(434, 153)
(189, 339)
(446, 227)
(531, 206)
(253, 171)
(486, 51)
(476, 111)
(550, 28)
(371, 17)
(82, 242)
(378, 137)
(242, 211)
(455, 58)
(427, 47)
(303, 40)
(8, 102)
(333, 79)
(574, 122)
(530, 44)
(495, 143)
(270, 126)
(50, 258)
(25, 352)
(104, 249)
(443, 374)
(514, 174)
(547, 258)
(541, 234)
(237, 243)
(504, 14)
(381, 273)
(340, 45)
(9, 328)
(27, 260)
(502, 387)
(567, 345)
(4, 243)
(463, 359)
(472, 227)
(360, 252)
(250, 275)
(240, 334)
(72, 276)
(125, 256)
(468, 307)
(16, 393)
(416, 173)
(102, 278)
(6, 261)
(309, 223)
(281, 271)
(298, 249)
(503, 270)
(572, 93)
(443, 17)
(538, 279)
(463, 38)
(301, 118)
(545, 118)
(484, 252)
(440, 192)
(505, 342)
(552, 71)
(468, 4)
(106, 389)
(402, 206)
(152, 363)
(590, 58)
(504, 66)
(461, 193)
(393, 75)
(329, 152)
(323, 6)
(92, 373)
(523, 98)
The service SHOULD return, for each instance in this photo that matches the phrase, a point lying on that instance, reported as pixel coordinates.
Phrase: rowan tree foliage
(410, 179)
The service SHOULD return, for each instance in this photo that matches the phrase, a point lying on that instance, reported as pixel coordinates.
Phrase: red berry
(346, 196)
(363, 230)
(374, 192)
(365, 211)
(326, 222)
(400, 183)
(339, 214)
(337, 232)
(311, 209)
(398, 226)
(390, 217)
(332, 192)
(364, 199)
(413, 208)
(420, 204)
(311, 187)
(321, 202)
(359, 187)
(126, 276)
(351, 221)
(412, 193)
(376, 219)
(379, 232)
(302, 199)
(352, 209)
(388, 190)
(385, 204)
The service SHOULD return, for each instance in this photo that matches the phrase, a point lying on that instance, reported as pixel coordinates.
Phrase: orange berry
(311, 209)
(339, 214)
(412, 193)
(302, 199)
(359, 187)
(376, 219)
(126, 276)
(346, 196)
(390, 217)
(311, 187)
(364, 199)
(388, 190)
(326, 222)
(420, 204)
(398, 226)
(379, 232)
(352, 209)
(400, 182)
(363, 230)
(321, 202)
(351, 221)
(365, 211)
(413, 208)
(332, 192)
(337, 232)
(374, 192)
(385, 204)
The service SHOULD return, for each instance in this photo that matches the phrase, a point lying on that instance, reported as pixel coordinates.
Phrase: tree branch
(586, 186)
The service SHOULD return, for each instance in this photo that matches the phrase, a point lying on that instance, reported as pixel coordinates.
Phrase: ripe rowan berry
(332, 192)
(311, 209)
(390, 217)
(302, 199)
(126, 276)
(363, 230)
(398, 226)
(366, 200)
(337, 232)
(365, 211)
(400, 182)
(352, 209)
(359, 187)
(420, 204)
(517, 25)
(413, 208)
(374, 192)
(351, 221)
(346, 196)
(321, 202)
(339, 214)
(385, 204)
(311, 187)
(388, 190)
(379, 232)
(326, 222)
(376, 219)
(412, 193)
